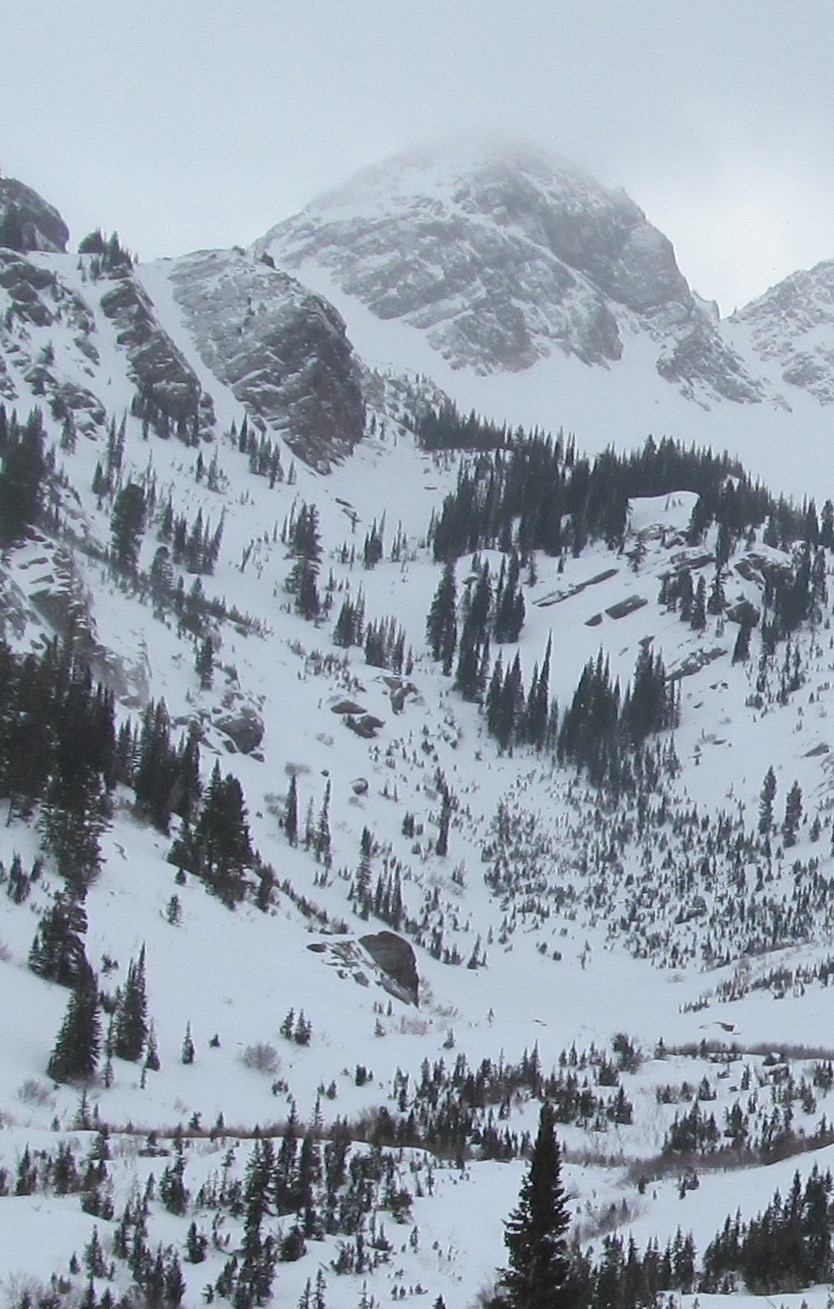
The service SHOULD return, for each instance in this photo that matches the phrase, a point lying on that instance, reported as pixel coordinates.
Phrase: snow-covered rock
(282, 350)
(503, 256)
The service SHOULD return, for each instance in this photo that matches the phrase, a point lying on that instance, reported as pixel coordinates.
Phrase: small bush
(262, 1056)
(34, 1092)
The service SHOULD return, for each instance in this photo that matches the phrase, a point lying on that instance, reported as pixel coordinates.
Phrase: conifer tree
(131, 1019)
(441, 624)
(291, 812)
(305, 547)
(322, 841)
(259, 1252)
(187, 1053)
(470, 675)
(126, 525)
(75, 1053)
(204, 662)
(793, 814)
(22, 477)
(57, 952)
(766, 802)
(538, 1275)
(538, 713)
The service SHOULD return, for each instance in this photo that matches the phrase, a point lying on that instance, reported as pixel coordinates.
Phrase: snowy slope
(590, 920)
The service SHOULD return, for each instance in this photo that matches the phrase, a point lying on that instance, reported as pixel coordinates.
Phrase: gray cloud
(202, 123)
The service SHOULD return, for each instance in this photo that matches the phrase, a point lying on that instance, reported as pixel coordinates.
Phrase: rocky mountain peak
(503, 255)
(27, 222)
(791, 329)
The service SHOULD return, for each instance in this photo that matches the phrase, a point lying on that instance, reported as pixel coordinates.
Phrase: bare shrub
(261, 1056)
(34, 1092)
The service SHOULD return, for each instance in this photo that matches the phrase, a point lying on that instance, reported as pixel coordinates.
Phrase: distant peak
(437, 164)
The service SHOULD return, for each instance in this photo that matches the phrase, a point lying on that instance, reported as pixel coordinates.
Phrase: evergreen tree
(509, 605)
(441, 624)
(22, 477)
(698, 618)
(291, 812)
(471, 672)
(322, 839)
(441, 848)
(219, 848)
(539, 1271)
(259, 1252)
(75, 1053)
(793, 814)
(305, 547)
(57, 952)
(538, 710)
(126, 525)
(204, 662)
(766, 802)
(188, 1052)
(131, 1019)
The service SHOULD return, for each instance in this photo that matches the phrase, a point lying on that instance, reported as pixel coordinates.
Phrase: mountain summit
(502, 256)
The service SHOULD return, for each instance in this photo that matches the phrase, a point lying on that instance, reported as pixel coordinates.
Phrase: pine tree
(766, 802)
(259, 1252)
(187, 1053)
(131, 1020)
(75, 1053)
(322, 841)
(291, 812)
(204, 663)
(793, 814)
(539, 1271)
(305, 546)
(126, 525)
(698, 618)
(441, 624)
(441, 848)
(470, 675)
(22, 477)
(57, 952)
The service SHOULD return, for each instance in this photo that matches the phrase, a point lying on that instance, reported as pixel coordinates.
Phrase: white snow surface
(570, 979)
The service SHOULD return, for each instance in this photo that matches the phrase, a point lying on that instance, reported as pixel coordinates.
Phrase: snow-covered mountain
(790, 326)
(652, 953)
(532, 293)
(504, 257)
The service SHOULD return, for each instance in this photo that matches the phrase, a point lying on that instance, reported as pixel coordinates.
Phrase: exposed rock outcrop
(32, 297)
(157, 367)
(282, 350)
(27, 222)
(397, 960)
(791, 327)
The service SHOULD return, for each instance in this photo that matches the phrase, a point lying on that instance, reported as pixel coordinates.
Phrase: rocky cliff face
(36, 307)
(156, 366)
(791, 329)
(506, 257)
(282, 350)
(27, 222)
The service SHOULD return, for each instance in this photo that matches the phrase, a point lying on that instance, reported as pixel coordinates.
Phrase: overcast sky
(192, 123)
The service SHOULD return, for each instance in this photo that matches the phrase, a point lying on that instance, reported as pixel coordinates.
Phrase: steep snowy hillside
(354, 815)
